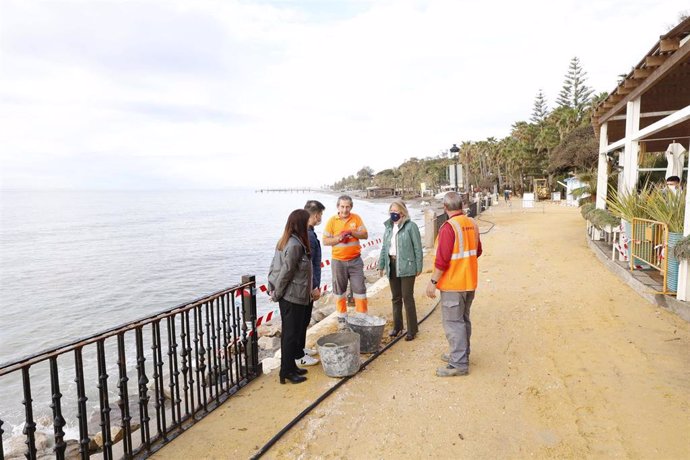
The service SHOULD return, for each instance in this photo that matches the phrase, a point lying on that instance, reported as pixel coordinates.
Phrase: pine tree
(575, 92)
(540, 110)
(566, 94)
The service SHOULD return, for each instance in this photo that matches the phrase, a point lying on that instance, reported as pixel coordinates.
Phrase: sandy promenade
(567, 362)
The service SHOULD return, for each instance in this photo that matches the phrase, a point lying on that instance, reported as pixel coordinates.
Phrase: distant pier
(302, 190)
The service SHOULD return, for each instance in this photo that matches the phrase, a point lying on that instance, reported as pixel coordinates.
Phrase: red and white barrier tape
(263, 288)
(327, 262)
(266, 318)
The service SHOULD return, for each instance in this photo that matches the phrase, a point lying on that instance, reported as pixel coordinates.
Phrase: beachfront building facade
(649, 111)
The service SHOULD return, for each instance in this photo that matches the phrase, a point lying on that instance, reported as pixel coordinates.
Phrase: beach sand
(567, 362)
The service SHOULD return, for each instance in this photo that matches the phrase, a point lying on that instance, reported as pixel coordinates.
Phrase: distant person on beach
(506, 195)
(305, 356)
(290, 284)
(343, 231)
(455, 275)
(401, 260)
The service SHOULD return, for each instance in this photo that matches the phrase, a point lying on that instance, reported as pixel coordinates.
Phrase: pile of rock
(269, 333)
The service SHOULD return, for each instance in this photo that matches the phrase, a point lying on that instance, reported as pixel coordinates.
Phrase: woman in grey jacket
(401, 260)
(289, 284)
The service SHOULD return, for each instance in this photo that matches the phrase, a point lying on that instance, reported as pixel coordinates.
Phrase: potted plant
(586, 208)
(603, 219)
(626, 206)
(669, 207)
(681, 250)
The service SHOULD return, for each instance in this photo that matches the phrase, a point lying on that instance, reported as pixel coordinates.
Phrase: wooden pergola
(649, 109)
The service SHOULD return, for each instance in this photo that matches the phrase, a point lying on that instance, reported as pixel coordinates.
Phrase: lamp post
(455, 151)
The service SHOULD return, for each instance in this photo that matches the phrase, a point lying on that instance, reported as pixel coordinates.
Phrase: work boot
(450, 371)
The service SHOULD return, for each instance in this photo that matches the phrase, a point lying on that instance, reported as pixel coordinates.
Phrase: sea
(73, 263)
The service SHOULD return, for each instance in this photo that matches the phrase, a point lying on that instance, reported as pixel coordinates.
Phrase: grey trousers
(457, 325)
(352, 270)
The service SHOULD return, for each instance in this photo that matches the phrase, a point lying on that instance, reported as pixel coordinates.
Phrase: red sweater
(446, 240)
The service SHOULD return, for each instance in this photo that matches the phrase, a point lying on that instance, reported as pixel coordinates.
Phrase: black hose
(327, 393)
(488, 222)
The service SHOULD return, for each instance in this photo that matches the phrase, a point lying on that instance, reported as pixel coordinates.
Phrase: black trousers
(402, 291)
(292, 315)
(303, 332)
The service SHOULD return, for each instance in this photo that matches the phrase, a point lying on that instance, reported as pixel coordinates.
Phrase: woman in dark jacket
(401, 260)
(289, 284)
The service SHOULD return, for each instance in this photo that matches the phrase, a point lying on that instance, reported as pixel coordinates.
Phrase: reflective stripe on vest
(461, 274)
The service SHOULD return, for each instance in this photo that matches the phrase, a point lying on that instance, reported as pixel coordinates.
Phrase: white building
(646, 112)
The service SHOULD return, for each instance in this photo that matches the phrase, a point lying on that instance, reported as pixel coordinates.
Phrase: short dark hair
(314, 207)
(673, 179)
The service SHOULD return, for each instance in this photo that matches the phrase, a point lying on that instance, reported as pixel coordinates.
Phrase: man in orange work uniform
(343, 232)
(455, 275)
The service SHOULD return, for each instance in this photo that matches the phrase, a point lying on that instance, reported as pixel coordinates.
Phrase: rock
(72, 449)
(269, 342)
(324, 300)
(321, 313)
(318, 315)
(263, 354)
(269, 364)
(95, 443)
(371, 277)
(44, 421)
(152, 390)
(269, 330)
(16, 446)
(117, 433)
(43, 441)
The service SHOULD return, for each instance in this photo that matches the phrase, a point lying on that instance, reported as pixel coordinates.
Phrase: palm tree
(588, 192)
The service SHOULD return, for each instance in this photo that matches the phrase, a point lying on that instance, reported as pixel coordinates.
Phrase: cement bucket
(370, 330)
(339, 354)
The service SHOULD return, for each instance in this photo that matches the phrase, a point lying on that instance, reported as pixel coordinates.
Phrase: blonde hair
(400, 204)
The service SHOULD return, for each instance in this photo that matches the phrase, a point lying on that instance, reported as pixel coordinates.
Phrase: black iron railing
(184, 362)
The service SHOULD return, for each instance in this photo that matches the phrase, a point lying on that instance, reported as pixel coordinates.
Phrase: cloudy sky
(221, 93)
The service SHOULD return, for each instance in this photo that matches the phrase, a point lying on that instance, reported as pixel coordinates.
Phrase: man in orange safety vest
(455, 275)
(343, 232)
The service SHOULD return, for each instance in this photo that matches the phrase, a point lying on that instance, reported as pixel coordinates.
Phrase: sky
(166, 94)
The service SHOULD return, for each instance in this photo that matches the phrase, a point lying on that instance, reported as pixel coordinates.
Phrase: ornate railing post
(249, 315)
(218, 347)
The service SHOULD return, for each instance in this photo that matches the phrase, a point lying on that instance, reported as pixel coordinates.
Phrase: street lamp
(455, 151)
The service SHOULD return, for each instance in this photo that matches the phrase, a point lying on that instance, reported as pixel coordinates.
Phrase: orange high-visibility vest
(461, 274)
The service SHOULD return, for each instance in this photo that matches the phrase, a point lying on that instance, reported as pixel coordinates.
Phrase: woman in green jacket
(401, 260)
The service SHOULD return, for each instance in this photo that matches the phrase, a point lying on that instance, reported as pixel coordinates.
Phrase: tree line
(552, 144)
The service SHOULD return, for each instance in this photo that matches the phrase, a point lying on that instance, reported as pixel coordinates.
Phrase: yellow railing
(649, 243)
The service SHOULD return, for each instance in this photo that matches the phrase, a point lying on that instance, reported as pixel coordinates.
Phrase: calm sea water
(73, 263)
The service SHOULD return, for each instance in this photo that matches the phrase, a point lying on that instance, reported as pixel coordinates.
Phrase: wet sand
(567, 362)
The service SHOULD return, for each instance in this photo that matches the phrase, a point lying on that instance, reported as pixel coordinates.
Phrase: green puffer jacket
(409, 249)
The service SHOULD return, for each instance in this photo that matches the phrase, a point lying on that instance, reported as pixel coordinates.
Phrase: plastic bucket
(339, 354)
(370, 330)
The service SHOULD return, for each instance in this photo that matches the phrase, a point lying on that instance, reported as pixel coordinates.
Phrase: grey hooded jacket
(290, 275)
